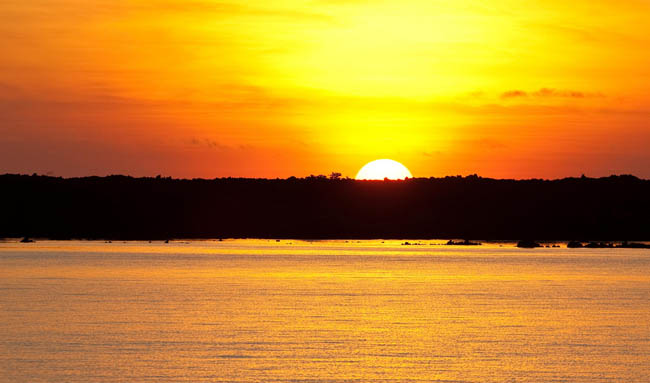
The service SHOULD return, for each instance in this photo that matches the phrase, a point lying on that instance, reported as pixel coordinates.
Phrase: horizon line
(322, 177)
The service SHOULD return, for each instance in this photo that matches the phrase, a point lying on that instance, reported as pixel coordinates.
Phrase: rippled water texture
(266, 311)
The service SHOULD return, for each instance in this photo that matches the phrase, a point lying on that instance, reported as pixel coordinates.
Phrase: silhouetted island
(615, 208)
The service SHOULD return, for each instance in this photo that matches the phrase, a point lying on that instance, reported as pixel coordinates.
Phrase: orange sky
(209, 88)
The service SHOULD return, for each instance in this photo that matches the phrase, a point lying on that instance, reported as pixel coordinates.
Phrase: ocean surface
(295, 311)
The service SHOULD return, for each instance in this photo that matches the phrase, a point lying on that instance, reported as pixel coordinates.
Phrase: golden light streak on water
(257, 310)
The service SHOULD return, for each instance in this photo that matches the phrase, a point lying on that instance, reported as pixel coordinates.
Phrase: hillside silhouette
(122, 207)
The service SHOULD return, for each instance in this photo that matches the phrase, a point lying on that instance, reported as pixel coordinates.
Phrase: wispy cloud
(513, 94)
(548, 93)
(83, 8)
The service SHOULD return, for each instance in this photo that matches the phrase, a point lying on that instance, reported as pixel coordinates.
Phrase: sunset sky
(202, 88)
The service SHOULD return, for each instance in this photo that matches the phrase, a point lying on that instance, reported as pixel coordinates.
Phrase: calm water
(266, 311)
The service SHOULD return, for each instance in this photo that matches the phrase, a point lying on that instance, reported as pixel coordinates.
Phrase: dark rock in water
(166, 241)
(466, 242)
(634, 245)
(406, 244)
(26, 240)
(599, 245)
(574, 244)
(608, 245)
(528, 244)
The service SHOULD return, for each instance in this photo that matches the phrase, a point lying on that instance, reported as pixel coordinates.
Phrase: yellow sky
(198, 88)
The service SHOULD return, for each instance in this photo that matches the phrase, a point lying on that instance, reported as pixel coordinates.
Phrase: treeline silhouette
(122, 207)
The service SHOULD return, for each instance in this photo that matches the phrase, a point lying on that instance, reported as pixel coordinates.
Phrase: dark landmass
(615, 208)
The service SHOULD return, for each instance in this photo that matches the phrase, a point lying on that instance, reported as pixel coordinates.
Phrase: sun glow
(383, 169)
(286, 88)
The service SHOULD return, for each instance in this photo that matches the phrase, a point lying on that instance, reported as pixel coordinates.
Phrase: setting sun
(383, 169)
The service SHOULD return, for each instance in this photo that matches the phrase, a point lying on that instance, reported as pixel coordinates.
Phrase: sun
(383, 169)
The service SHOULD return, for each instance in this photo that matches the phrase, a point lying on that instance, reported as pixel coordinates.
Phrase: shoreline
(423, 242)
